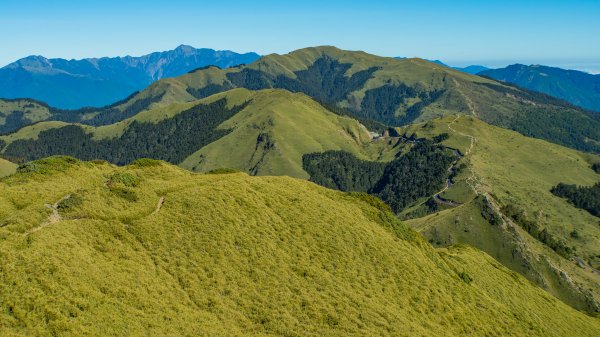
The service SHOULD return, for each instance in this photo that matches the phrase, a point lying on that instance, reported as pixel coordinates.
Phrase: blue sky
(493, 33)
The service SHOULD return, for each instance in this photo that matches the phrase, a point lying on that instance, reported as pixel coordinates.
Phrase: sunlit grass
(229, 254)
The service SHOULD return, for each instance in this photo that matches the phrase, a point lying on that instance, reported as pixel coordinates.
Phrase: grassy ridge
(266, 133)
(519, 172)
(270, 136)
(400, 92)
(224, 255)
(17, 113)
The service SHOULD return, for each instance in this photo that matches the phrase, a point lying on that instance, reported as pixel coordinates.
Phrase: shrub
(441, 137)
(127, 179)
(124, 193)
(465, 277)
(574, 234)
(47, 165)
(146, 162)
(71, 202)
(223, 171)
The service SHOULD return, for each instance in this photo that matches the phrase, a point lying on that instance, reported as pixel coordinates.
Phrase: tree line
(419, 173)
(172, 139)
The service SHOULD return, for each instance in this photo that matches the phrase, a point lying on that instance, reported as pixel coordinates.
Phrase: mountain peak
(31, 62)
(185, 49)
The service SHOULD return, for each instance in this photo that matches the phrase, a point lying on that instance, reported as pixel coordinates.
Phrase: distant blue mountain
(573, 86)
(474, 69)
(71, 84)
(439, 62)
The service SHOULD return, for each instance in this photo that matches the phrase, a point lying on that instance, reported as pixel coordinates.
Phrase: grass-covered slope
(151, 249)
(508, 210)
(272, 134)
(17, 113)
(264, 132)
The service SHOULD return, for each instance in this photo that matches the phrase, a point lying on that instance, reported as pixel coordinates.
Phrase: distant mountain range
(576, 87)
(72, 84)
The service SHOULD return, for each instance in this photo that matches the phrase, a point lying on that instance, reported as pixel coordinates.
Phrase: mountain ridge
(100, 81)
(577, 87)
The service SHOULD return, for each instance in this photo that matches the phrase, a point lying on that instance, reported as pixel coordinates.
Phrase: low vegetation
(541, 234)
(223, 255)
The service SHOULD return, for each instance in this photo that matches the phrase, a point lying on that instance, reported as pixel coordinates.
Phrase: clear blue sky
(458, 32)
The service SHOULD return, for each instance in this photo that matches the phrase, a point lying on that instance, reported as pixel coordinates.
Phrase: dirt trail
(161, 201)
(444, 201)
(472, 138)
(473, 181)
(468, 99)
(52, 218)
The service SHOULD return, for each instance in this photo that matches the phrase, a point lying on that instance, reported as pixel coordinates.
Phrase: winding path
(468, 99)
(52, 218)
(473, 180)
(444, 201)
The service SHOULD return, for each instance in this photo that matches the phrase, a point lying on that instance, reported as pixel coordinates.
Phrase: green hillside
(388, 90)
(17, 113)
(508, 210)
(276, 132)
(264, 132)
(392, 91)
(151, 249)
(270, 136)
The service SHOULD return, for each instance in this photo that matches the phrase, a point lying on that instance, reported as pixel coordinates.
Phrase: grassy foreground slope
(262, 132)
(151, 249)
(508, 210)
